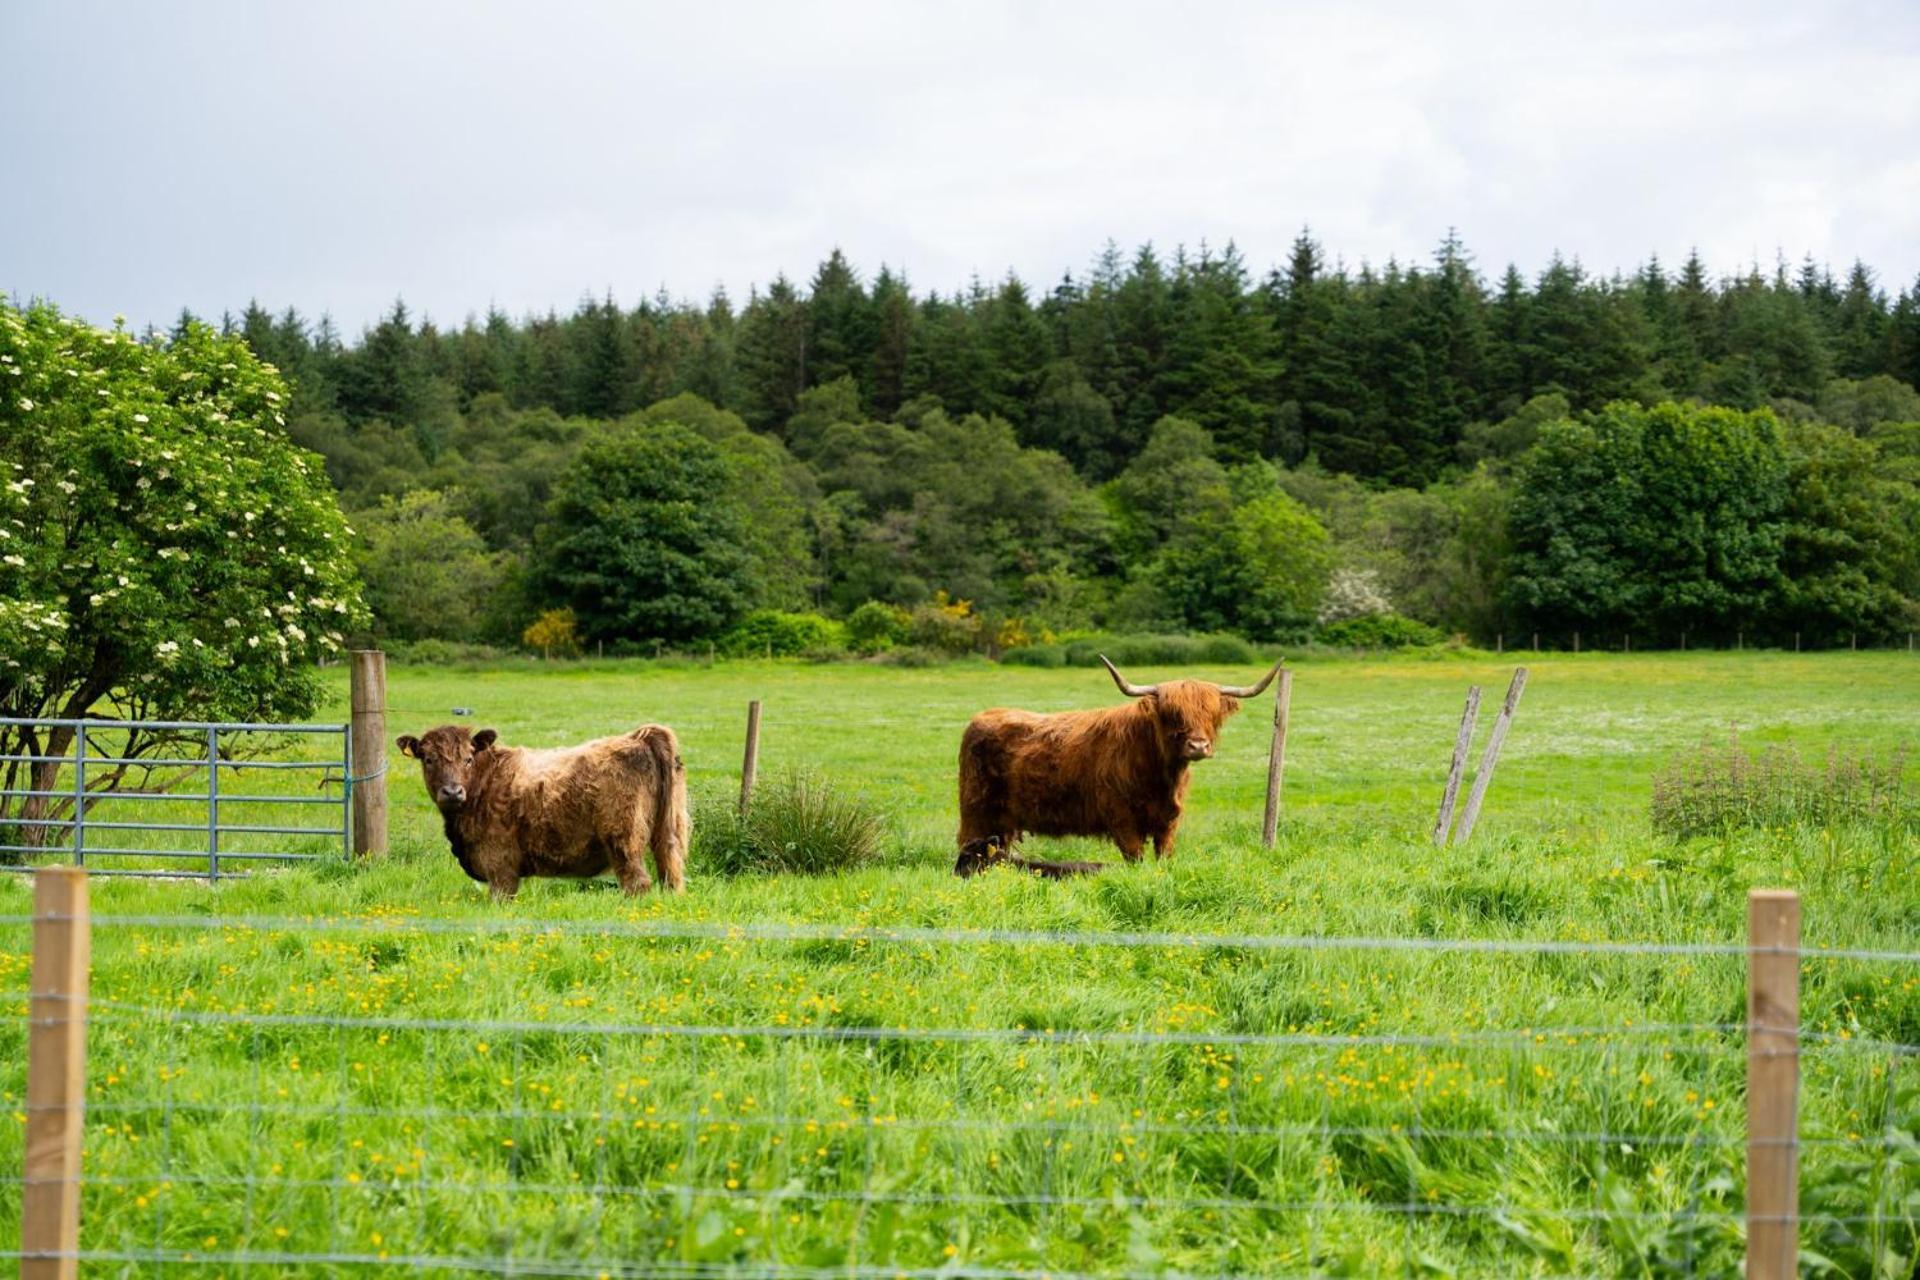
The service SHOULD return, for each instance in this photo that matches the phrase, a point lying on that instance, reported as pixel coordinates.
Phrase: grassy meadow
(1177, 1108)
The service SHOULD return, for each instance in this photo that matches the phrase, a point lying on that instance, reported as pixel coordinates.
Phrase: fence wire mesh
(690, 1099)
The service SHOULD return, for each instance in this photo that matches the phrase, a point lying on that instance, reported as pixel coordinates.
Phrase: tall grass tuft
(798, 823)
(1713, 790)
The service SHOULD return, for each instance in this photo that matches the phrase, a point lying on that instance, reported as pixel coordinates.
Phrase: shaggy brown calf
(1121, 772)
(977, 855)
(512, 812)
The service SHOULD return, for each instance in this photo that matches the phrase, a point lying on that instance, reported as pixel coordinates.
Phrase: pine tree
(772, 355)
(893, 340)
(1860, 327)
(840, 326)
(604, 363)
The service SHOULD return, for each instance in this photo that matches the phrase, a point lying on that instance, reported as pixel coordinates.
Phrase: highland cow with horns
(513, 812)
(1121, 772)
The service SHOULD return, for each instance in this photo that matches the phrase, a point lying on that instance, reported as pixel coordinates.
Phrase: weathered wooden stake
(1773, 1084)
(1626, 642)
(1461, 742)
(1483, 776)
(750, 764)
(1536, 642)
(367, 735)
(56, 1076)
(1500, 642)
(1277, 758)
(1576, 642)
(1796, 642)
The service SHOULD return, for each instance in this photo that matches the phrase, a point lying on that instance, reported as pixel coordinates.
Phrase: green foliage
(949, 442)
(1257, 569)
(429, 574)
(1848, 555)
(769, 632)
(1664, 519)
(798, 824)
(875, 627)
(776, 488)
(163, 545)
(649, 537)
(1379, 631)
(1714, 790)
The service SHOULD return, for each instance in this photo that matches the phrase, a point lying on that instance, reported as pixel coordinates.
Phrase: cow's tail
(672, 827)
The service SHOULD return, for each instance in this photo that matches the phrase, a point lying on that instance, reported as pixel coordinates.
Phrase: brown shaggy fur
(1120, 772)
(513, 812)
(978, 855)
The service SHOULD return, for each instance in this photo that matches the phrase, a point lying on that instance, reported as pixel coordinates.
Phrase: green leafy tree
(777, 489)
(428, 572)
(1847, 545)
(1662, 519)
(1258, 569)
(165, 550)
(648, 538)
(1172, 482)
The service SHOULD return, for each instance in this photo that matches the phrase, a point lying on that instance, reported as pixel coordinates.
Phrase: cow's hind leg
(630, 864)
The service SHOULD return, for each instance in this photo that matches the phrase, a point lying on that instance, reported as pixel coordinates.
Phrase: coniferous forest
(1154, 443)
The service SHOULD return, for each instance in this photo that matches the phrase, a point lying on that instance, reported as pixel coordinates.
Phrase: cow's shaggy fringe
(1713, 790)
(798, 823)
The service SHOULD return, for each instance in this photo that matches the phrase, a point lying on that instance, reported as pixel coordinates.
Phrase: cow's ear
(409, 745)
(484, 739)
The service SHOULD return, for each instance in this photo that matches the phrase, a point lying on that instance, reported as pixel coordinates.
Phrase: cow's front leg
(1129, 842)
(1163, 838)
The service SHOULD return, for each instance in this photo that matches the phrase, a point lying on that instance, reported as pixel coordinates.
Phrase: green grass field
(1209, 1109)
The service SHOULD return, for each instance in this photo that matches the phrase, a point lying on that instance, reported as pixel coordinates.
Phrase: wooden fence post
(750, 764)
(56, 1076)
(1460, 744)
(1484, 774)
(1773, 1084)
(369, 750)
(1277, 758)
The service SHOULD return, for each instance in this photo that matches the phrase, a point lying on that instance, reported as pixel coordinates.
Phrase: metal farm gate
(201, 800)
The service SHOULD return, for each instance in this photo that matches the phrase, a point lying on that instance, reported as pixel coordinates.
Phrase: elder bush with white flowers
(165, 549)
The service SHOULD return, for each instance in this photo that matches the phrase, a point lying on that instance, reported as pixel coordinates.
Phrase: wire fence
(688, 1098)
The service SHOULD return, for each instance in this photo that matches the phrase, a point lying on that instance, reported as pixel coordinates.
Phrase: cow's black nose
(453, 791)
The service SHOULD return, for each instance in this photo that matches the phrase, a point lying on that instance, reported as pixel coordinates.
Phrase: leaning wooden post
(1277, 758)
(368, 748)
(56, 1076)
(1461, 742)
(750, 764)
(1773, 1084)
(1484, 774)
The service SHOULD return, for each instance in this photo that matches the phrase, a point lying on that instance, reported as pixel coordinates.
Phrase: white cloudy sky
(333, 155)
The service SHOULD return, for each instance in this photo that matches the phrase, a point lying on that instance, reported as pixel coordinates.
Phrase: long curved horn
(1252, 690)
(1131, 690)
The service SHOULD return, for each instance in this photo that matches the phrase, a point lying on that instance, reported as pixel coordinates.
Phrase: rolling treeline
(1047, 453)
